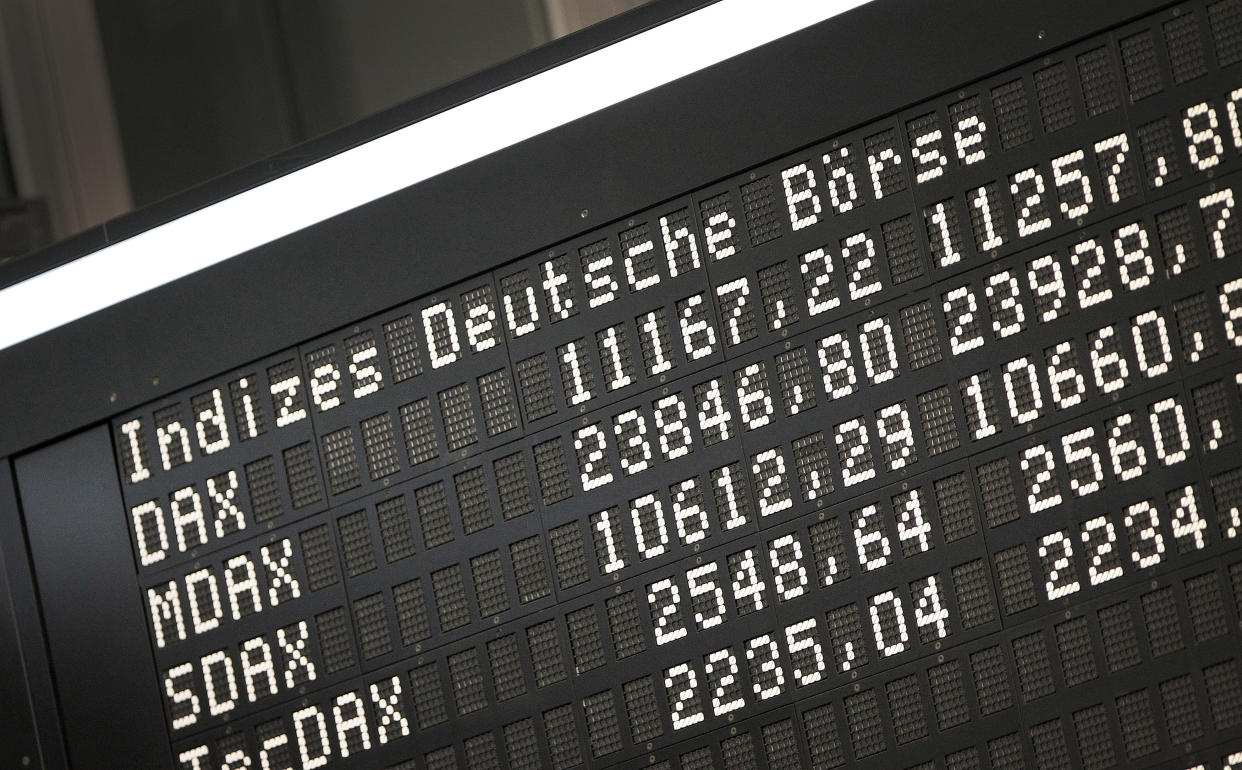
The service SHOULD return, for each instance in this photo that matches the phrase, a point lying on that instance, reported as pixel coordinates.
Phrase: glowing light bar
(402, 158)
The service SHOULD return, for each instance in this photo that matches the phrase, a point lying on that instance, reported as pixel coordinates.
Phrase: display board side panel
(29, 724)
(91, 609)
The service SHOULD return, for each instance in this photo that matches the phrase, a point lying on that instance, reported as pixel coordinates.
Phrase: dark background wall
(108, 105)
(202, 88)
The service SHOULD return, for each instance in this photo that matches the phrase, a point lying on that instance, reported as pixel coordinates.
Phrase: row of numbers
(781, 572)
(722, 688)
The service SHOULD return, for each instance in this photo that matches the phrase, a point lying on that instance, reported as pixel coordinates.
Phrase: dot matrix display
(924, 433)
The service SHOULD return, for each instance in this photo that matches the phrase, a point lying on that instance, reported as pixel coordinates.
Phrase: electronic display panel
(913, 448)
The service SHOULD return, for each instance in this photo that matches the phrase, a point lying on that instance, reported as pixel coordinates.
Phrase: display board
(913, 447)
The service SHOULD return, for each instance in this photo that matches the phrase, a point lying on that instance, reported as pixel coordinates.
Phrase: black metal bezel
(650, 148)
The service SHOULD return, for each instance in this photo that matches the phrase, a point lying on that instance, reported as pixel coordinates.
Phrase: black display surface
(914, 447)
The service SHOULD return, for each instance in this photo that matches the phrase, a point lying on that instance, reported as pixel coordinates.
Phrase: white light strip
(397, 160)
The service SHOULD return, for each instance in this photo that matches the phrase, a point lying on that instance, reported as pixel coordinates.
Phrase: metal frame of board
(821, 81)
